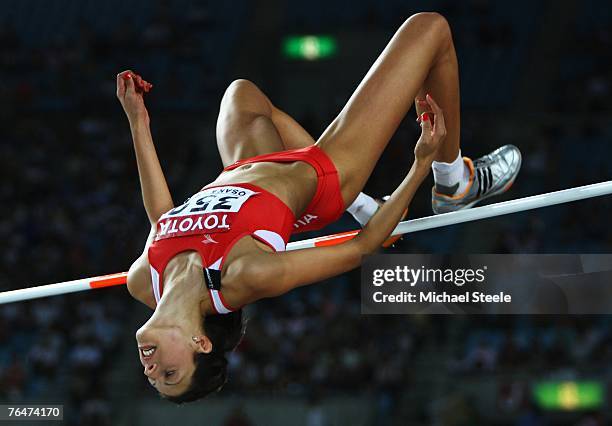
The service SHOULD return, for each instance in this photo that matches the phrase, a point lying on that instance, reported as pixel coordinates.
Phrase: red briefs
(327, 204)
(214, 219)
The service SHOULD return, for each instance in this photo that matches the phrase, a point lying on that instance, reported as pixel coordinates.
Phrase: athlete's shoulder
(248, 276)
(139, 281)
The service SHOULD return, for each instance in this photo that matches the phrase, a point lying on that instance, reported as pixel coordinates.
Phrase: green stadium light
(309, 47)
(569, 396)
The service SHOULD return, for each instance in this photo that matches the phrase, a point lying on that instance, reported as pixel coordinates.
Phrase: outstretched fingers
(439, 126)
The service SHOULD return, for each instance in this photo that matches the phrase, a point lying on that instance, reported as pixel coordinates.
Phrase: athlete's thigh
(244, 127)
(357, 137)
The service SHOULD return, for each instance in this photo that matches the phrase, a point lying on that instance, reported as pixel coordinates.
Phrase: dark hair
(225, 331)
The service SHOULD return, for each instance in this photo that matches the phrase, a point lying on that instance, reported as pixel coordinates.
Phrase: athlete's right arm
(155, 193)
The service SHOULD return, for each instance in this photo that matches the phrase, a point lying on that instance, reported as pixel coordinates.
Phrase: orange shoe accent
(508, 185)
(470, 165)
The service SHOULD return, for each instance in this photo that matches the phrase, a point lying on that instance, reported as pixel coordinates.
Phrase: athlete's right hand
(130, 90)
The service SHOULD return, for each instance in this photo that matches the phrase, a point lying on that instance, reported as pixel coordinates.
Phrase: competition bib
(208, 211)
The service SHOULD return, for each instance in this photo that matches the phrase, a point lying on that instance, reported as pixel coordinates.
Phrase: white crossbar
(409, 226)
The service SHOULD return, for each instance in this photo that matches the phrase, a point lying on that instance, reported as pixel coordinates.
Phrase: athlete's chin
(145, 336)
(149, 335)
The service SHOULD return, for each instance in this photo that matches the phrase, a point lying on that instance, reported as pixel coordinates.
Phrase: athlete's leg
(244, 127)
(249, 125)
(421, 52)
(293, 135)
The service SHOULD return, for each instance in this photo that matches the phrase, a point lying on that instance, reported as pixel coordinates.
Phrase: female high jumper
(224, 247)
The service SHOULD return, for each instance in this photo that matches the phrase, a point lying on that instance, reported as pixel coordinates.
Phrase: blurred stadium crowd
(73, 208)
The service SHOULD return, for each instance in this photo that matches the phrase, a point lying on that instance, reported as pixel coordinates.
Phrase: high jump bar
(406, 227)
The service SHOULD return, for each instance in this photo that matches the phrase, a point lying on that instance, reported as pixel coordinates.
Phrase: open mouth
(147, 351)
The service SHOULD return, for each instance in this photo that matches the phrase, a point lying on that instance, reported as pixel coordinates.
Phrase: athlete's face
(167, 356)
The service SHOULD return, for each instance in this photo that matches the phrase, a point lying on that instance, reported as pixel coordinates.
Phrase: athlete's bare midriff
(293, 183)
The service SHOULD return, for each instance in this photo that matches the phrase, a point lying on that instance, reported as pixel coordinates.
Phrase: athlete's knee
(245, 95)
(241, 85)
(432, 22)
(240, 88)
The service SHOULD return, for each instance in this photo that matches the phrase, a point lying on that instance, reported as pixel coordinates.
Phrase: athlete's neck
(185, 299)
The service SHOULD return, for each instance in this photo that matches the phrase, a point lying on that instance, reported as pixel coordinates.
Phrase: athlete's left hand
(433, 132)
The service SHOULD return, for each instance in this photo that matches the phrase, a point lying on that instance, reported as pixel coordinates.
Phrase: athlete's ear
(203, 344)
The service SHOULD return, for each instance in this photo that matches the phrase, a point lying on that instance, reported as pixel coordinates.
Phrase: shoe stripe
(490, 177)
(485, 179)
(479, 183)
(485, 184)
